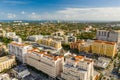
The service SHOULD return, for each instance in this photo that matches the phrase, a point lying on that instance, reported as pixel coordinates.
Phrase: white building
(35, 37)
(20, 72)
(68, 39)
(17, 39)
(78, 68)
(10, 34)
(47, 63)
(19, 50)
(107, 35)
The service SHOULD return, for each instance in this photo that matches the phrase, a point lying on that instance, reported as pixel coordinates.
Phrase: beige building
(19, 50)
(47, 63)
(78, 68)
(58, 33)
(6, 62)
(108, 35)
(50, 43)
(104, 48)
(2, 32)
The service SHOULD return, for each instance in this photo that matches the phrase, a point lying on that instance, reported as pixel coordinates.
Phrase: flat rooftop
(5, 58)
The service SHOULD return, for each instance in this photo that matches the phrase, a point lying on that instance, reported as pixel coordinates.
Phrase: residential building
(20, 71)
(5, 77)
(58, 38)
(35, 37)
(10, 34)
(7, 62)
(81, 45)
(102, 62)
(58, 33)
(45, 62)
(68, 39)
(87, 29)
(104, 48)
(77, 44)
(108, 35)
(17, 39)
(78, 68)
(50, 43)
(19, 50)
(2, 32)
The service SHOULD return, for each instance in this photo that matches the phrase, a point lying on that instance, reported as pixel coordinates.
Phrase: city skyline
(103, 10)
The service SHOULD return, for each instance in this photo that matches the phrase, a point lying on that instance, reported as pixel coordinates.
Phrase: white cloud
(34, 16)
(23, 12)
(108, 13)
(11, 16)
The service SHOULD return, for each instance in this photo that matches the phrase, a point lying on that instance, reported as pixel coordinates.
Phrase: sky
(86, 10)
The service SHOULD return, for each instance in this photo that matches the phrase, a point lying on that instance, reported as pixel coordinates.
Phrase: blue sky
(60, 9)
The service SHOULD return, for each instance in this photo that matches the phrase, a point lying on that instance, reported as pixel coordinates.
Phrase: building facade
(81, 45)
(19, 50)
(47, 63)
(111, 35)
(78, 68)
(10, 34)
(2, 32)
(7, 62)
(35, 37)
(68, 39)
(50, 43)
(104, 48)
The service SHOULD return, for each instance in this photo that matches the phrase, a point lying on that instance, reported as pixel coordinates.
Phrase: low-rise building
(20, 71)
(10, 35)
(68, 39)
(2, 32)
(17, 39)
(7, 62)
(58, 33)
(45, 62)
(78, 68)
(102, 62)
(5, 77)
(19, 50)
